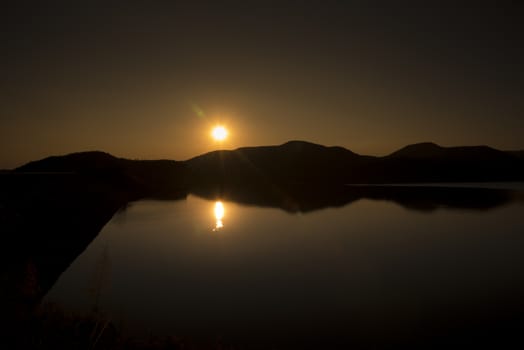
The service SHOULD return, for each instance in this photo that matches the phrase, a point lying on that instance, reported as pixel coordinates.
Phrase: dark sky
(145, 79)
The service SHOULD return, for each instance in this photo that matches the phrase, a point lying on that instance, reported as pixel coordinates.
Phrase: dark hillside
(428, 162)
(295, 162)
(299, 162)
(140, 177)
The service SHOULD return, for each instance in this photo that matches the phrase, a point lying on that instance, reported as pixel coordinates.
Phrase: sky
(149, 79)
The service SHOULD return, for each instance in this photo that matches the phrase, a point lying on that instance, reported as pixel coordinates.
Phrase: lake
(369, 272)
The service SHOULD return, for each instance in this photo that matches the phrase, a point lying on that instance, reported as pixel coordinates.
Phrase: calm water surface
(370, 269)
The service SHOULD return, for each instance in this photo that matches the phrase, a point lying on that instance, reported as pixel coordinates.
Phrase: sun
(219, 133)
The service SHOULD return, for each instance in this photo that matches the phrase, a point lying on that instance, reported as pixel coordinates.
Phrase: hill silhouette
(302, 162)
(432, 163)
(429, 150)
(137, 177)
(419, 150)
(291, 162)
(294, 162)
(519, 154)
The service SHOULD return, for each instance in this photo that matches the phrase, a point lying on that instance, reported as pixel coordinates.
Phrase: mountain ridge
(292, 145)
(403, 151)
(298, 162)
(420, 148)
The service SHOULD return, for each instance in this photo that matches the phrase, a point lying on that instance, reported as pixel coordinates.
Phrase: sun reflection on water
(219, 214)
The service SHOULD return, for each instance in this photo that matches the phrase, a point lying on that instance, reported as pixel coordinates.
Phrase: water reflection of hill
(49, 219)
(309, 198)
